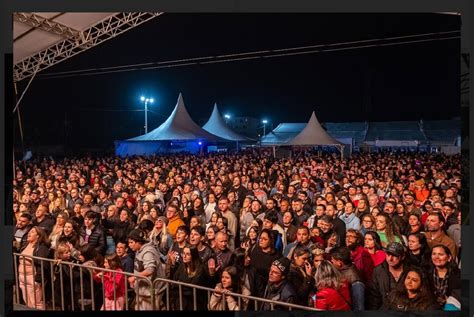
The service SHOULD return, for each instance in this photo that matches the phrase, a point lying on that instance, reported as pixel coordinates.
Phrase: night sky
(404, 82)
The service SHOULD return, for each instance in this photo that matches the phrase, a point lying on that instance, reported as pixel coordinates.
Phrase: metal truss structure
(44, 24)
(76, 41)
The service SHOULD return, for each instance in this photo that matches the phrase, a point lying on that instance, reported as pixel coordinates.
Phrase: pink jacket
(109, 284)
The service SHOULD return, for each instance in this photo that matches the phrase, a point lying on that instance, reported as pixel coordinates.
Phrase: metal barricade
(78, 291)
(149, 295)
(258, 301)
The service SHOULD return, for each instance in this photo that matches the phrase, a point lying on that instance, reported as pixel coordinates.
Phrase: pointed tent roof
(313, 134)
(283, 133)
(217, 126)
(178, 126)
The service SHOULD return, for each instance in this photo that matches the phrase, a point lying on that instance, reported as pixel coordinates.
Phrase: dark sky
(403, 82)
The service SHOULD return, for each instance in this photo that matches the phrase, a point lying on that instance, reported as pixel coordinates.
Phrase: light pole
(264, 123)
(146, 100)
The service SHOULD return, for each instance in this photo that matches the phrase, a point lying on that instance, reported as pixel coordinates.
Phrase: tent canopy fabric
(217, 126)
(313, 134)
(48, 28)
(178, 126)
(283, 133)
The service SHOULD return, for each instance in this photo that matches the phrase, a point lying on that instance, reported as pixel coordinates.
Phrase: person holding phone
(300, 274)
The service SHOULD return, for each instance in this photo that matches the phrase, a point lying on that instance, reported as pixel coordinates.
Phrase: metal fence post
(180, 297)
(72, 286)
(62, 286)
(81, 279)
(53, 291)
(42, 285)
(92, 288)
(17, 277)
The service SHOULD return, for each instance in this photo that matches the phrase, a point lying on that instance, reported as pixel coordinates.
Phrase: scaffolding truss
(76, 41)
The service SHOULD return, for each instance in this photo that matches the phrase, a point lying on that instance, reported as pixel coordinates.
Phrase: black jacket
(303, 284)
(42, 251)
(47, 223)
(283, 293)
(120, 230)
(381, 285)
(187, 293)
(96, 239)
(262, 262)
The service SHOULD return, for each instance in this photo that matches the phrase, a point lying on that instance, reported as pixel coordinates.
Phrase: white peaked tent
(178, 126)
(217, 126)
(178, 133)
(314, 134)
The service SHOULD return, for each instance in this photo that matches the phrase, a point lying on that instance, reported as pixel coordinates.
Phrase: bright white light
(200, 143)
(264, 121)
(142, 98)
(151, 100)
(227, 116)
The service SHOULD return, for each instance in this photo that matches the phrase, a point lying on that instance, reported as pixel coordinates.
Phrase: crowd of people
(370, 232)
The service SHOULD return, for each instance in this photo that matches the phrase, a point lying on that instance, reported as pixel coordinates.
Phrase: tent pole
(20, 126)
(24, 91)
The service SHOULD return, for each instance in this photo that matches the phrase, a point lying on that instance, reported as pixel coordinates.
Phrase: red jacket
(330, 299)
(363, 262)
(109, 284)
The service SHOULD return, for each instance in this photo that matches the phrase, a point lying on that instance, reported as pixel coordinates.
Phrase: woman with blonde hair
(333, 293)
(160, 237)
(61, 219)
(51, 199)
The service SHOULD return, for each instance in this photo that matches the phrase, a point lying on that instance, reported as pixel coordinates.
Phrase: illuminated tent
(178, 133)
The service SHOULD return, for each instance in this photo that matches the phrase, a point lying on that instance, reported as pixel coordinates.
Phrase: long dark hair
(42, 236)
(235, 277)
(391, 229)
(422, 301)
(376, 237)
(424, 244)
(74, 238)
(271, 239)
(195, 264)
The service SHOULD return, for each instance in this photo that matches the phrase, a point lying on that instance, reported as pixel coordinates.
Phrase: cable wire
(320, 48)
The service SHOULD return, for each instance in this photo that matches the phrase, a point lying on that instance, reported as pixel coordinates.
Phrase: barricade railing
(80, 296)
(148, 295)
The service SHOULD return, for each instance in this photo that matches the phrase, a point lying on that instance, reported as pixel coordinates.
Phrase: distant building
(247, 126)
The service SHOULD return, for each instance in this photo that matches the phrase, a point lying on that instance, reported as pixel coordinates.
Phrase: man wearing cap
(278, 287)
(146, 265)
(387, 276)
(34, 199)
(409, 201)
